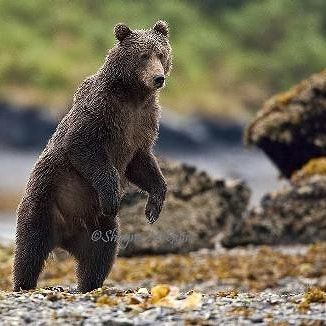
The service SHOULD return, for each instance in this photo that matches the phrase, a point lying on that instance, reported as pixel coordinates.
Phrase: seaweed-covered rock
(197, 209)
(314, 166)
(296, 214)
(291, 127)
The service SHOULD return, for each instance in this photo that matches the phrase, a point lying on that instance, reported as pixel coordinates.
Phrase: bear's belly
(75, 198)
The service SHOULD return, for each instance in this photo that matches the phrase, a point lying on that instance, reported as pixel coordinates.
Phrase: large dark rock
(294, 214)
(198, 208)
(291, 127)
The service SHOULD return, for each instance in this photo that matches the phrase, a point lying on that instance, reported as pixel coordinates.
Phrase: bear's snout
(159, 81)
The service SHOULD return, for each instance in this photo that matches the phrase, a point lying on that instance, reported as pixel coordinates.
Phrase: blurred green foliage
(229, 55)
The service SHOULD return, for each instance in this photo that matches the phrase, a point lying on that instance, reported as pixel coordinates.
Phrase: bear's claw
(153, 209)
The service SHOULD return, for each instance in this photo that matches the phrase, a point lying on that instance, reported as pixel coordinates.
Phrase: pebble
(257, 319)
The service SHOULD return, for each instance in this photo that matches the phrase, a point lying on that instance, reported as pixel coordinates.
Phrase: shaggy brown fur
(104, 141)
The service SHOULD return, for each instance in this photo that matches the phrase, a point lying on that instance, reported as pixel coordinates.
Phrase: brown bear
(104, 141)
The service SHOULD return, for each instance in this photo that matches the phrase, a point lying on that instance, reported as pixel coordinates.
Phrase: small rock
(257, 319)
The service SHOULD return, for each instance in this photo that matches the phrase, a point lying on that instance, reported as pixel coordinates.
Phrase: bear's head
(143, 56)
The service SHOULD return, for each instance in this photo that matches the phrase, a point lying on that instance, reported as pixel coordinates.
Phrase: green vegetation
(229, 55)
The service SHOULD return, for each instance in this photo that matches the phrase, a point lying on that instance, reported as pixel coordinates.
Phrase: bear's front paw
(109, 206)
(153, 209)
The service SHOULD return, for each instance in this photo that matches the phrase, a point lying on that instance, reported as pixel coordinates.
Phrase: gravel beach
(261, 285)
(54, 307)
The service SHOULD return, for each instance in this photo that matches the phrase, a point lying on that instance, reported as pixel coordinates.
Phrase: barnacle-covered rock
(294, 214)
(197, 209)
(291, 127)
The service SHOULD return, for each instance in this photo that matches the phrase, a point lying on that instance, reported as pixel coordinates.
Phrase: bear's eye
(161, 56)
(144, 56)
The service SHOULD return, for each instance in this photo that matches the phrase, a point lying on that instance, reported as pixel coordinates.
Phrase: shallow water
(220, 161)
(7, 227)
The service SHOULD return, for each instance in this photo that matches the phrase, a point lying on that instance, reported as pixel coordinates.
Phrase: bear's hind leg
(95, 257)
(32, 248)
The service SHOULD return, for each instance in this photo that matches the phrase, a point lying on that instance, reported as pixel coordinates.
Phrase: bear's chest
(141, 129)
(138, 131)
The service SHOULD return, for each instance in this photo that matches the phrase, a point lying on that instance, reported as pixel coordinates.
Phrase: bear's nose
(159, 81)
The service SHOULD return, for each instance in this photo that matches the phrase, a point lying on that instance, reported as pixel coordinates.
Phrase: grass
(228, 56)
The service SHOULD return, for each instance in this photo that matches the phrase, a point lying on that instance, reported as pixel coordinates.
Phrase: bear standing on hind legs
(104, 141)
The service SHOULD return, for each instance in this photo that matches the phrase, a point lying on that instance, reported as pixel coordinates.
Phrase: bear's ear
(162, 27)
(121, 31)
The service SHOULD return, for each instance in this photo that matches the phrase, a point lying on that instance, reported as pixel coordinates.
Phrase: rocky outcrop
(291, 130)
(291, 127)
(196, 211)
(294, 214)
